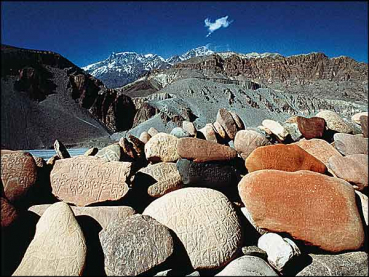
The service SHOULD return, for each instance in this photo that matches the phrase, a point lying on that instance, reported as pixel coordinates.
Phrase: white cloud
(220, 22)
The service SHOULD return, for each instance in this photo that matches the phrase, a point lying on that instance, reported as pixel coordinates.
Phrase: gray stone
(135, 245)
(348, 144)
(293, 130)
(254, 251)
(110, 153)
(179, 132)
(225, 119)
(247, 141)
(334, 121)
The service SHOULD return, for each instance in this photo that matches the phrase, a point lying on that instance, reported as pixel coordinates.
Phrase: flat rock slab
(225, 119)
(211, 175)
(85, 180)
(247, 141)
(144, 137)
(205, 222)
(189, 127)
(220, 130)
(239, 123)
(61, 150)
(110, 153)
(334, 121)
(276, 128)
(8, 213)
(209, 132)
(135, 245)
(18, 174)
(248, 266)
(200, 150)
(162, 148)
(283, 157)
(364, 125)
(311, 127)
(356, 117)
(346, 264)
(351, 168)
(348, 144)
(102, 214)
(319, 148)
(304, 204)
(58, 247)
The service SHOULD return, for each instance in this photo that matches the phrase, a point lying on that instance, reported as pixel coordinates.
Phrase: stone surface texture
(313, 127)
(364, 125)
(247, 141)
(110, 153)
(162, 148)
(226, 120)
(209, 132)
(8, 213)
(61, 150)
(348, 144)
(334, 121)
(276, 128)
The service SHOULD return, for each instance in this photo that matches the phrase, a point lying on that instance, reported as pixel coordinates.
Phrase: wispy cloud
(220, 22)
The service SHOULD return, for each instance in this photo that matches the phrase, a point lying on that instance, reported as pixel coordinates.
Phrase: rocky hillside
(46, 97)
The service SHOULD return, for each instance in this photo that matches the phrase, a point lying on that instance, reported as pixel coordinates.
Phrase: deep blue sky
(86, 32)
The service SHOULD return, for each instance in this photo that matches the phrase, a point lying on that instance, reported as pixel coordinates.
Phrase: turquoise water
(48, 153)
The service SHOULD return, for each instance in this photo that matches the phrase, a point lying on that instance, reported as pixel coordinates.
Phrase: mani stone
(200, 150)
(283, 157)
(279, 250)
(220, 130)
(238, 121)
(319, 148)
(8, 213)
(304, 205)
(85, 180)
(247, 141)
(209, 132)
(212, 175)
(334, 121)
(276, 128)
(18, 174)
(91, 152)
(356, 117)
(61, 150)
(144, 137)
(351, 168)
(348, 144)
(152, 131)
(189, 127)
(364, 206)
(311, 127)
(364, 125)
(205, 222)
(226, 120)
(179, 132)
(135, 245)
(248, 266)
(345, 264)
(166, 176)
(102, 214)
(58, 247)
(162, 148)
(110, 153)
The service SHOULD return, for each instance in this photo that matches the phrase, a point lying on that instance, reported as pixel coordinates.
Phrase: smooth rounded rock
(247, 141)
(189, 127)
(334, 121)
(179, 132)
(304, 204)
(205, 222)
(276, 128)
(313, 127)
(85, 180)
(135, 245)
(110, 153)
(283, 157)
(58, 247)
(152, 131)
(162, 148)
(144, 137)
(348, 144)
(225, 119)
(356, 117)
(200, 150)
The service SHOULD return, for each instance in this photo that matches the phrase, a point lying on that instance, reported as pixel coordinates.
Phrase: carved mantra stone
(85, 180)
(311, 127)
(220, 130)
(364, 125)
(135, 245)
(225, 119)
(110, 153)
(144, 137)
(283, 157)
(211, 175)
(356, 117)
(276, 128)
(248, 266)
(348, 144)
(305, 205)
(334, 121)
(238, 121)
(58, 247)
(18, 174)
(8, 213)
(189, 127)
(209, 132)
(61, 150)
(162, 148)
(247, 141)
(205, 222)
(200, 150)
(352, 168)
(319, 148)
(167, 177)
(102, 214)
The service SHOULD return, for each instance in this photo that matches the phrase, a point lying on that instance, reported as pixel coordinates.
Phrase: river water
(48, 153)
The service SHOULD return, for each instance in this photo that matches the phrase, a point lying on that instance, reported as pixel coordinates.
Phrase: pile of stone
(286, 198)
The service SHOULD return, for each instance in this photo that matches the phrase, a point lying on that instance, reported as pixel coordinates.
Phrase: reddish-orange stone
(311, 127)
(283, 157)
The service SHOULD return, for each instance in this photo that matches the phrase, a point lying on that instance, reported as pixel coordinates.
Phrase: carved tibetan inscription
(85, 180)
